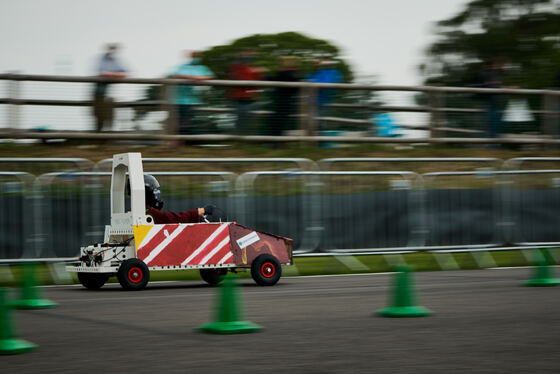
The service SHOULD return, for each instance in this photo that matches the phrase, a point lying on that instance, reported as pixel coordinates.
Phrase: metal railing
(336, 211)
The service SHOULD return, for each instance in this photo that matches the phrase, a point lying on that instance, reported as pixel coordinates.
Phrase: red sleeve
(190, 216)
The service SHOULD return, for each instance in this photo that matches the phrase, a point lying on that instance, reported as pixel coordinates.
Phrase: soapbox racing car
(134, 245)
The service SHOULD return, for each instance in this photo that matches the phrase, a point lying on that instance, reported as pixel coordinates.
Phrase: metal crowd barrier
(531, 206)
(326, 215)
(39, 165)
(302, 164)
(30, 214)
(461, 217)
(328, 164)
(342, 212)
(16, 214)
(523, 203)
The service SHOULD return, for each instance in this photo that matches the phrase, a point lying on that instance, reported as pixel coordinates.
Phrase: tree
(268, 47)
(522, 34)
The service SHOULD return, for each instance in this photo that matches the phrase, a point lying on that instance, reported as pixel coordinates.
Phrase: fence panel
(532, 202)
(34, 241)
(462, 209)
(530, 186)
(282, 203)
(343, 211)
(16, 215)
(369, 211)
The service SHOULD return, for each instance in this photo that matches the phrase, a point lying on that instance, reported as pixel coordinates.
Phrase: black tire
(93, 281)
(212, 276)
(133, 274)
(266, 270)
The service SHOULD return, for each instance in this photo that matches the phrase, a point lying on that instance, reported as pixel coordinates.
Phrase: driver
(154, 205)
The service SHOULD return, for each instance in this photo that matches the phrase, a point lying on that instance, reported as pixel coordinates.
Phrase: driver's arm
(189, 216)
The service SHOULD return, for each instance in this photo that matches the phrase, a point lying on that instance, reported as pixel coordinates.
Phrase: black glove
(209, 209)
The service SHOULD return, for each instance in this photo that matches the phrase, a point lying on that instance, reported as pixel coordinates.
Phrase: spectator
(186, 97)
(492, 78)
(244, 97)
(103, 107)
(284, 99)
(326, 73)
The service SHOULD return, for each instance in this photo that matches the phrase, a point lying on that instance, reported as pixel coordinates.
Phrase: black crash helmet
(153, 194)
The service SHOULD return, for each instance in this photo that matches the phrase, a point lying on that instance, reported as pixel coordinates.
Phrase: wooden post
(550, 116)
(308, 111)
(437, 120)
(14, 109)
(170, 123)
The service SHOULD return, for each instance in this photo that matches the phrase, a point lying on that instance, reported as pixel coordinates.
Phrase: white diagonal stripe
(156, 251)
(215, 250)
(206, 242)
(226, 257)
(153, 232)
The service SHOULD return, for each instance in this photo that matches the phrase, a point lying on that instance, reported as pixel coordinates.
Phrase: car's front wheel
(133, 274)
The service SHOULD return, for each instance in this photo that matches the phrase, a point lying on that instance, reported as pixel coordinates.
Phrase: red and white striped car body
(206, 245)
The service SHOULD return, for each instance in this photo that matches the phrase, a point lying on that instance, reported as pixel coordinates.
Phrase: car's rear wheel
(133, 274)
(93, 281)
(212, 276)
(266, 270)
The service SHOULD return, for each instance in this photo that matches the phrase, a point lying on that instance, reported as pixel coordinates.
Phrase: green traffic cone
(229, 316)
(30, 293)
(9, 345)
(542, 274)
(403, 297)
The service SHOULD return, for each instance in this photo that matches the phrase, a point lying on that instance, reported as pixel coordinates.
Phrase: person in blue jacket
(326, 73)
(185, 97)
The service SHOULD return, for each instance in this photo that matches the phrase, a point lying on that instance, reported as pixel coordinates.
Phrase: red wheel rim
(268, 270)
(135, 274)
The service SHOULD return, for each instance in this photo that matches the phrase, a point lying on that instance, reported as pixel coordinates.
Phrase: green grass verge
(305, 266)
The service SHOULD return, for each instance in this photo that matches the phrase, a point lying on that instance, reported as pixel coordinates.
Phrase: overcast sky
(378, 37)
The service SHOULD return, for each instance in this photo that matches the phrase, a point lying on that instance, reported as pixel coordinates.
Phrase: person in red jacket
(154, 205)
(244, 97)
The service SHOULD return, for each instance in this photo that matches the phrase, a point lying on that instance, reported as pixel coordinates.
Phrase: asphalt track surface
(485, 321)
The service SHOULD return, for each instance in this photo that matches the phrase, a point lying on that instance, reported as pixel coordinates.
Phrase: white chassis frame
(122, 222)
